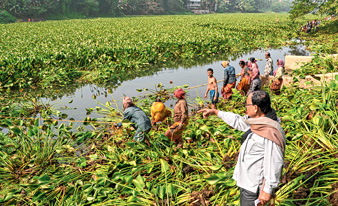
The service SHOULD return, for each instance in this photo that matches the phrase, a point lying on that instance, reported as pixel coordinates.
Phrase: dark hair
(242, 63)
(252, 59)
(262, 100)
(210, 70)
(268, 53)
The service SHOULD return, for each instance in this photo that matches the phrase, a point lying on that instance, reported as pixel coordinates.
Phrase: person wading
(261, 157)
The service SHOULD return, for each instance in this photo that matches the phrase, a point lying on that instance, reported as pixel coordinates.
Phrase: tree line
(60, 9)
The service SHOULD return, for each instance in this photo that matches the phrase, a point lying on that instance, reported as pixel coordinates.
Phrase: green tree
(6, 17)
(109, 7)
(283, 6)
(302, 7)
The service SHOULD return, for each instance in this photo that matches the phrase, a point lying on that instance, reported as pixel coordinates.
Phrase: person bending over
(140, 120)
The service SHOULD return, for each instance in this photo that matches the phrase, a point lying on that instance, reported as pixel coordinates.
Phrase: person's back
(229, 80)
(230, 72)
(137, 116)
(256, 83)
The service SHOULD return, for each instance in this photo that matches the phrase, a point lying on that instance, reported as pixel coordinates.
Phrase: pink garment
(281, 64)
(255, 71)
(249, 65)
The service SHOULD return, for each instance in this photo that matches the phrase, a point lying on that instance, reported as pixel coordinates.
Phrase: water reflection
(75, 99)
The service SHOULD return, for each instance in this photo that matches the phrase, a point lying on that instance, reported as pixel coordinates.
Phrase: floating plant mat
(78, 101)
(41, 165)
(112, 50)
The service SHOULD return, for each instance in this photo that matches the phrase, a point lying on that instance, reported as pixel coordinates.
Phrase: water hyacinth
(53, 53)
(53, 163)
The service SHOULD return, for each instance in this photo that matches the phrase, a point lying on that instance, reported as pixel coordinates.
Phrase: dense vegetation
(50, 9)
(47, 163)
(110, 50)
(324, 42)
(52, 163)
(302, 7)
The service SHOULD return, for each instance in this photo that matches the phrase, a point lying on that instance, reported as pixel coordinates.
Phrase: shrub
(6, 17)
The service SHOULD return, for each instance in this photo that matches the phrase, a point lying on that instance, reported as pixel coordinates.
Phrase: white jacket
(258, 159)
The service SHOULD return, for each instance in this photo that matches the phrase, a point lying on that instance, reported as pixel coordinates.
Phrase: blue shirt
(137, 116)
(229, 75)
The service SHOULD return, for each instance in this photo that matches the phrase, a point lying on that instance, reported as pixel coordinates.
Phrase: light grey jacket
(258, 159)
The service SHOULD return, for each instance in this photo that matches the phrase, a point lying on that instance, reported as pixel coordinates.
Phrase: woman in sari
(181, 119)
(256, 82)
(244, 85)
(278, 77)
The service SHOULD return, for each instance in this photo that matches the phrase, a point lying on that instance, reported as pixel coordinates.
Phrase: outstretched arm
(232, 119)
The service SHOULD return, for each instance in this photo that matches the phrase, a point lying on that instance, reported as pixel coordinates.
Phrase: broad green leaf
(139, 182)
(164, 165)
(44, 178)
(215, 167)
(16, 130)
(212, 180)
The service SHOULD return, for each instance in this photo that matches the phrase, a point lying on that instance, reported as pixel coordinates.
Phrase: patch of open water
(81, 99)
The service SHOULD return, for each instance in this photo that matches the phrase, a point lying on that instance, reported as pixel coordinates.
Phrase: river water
(74, 104)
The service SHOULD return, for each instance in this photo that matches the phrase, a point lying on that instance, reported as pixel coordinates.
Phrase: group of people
(310, 25)
(329, 18)
(159, 113)
(261, 158)
(250, 78)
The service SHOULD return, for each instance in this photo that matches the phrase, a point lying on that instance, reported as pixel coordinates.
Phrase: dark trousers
(248, 198)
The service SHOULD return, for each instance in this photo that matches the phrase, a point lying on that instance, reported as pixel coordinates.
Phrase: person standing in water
(278, 74)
